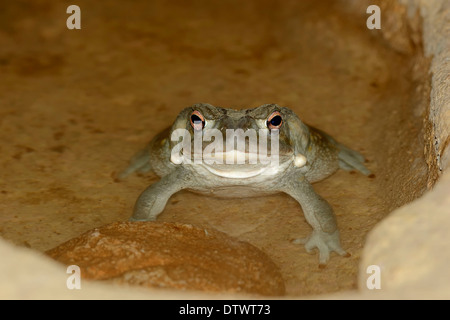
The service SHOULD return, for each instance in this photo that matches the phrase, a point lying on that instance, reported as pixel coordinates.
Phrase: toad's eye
(274, 121)
(197, 120)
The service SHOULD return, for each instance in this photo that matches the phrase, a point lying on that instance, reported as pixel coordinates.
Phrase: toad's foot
(326, 243)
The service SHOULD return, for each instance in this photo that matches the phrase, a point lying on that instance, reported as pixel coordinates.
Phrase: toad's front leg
(153, 200)
(318, 213)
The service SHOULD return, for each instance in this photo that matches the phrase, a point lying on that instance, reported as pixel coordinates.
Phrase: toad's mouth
(241, 165)
(236, 173)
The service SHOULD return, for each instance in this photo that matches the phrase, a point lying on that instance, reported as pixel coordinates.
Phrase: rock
(412, 247)
(171, 255)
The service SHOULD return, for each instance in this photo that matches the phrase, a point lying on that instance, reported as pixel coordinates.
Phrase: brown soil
(75, 105)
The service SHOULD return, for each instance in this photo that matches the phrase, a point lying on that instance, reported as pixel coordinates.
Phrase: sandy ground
(75, 105)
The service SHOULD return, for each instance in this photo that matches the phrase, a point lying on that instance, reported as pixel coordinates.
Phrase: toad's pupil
(275, 121)
(196, 119)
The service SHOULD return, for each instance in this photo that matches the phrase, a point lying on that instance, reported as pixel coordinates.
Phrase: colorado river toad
(305, 155)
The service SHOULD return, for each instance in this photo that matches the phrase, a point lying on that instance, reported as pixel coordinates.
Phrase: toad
(219, 156)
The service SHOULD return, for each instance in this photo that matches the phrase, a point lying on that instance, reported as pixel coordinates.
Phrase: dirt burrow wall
(412, 245)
